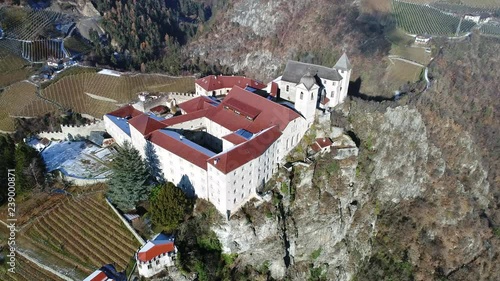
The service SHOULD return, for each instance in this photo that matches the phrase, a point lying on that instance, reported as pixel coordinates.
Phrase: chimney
(216, 161)
(181, 137)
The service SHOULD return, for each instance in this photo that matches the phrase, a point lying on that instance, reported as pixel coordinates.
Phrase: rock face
(401, 197)
(258, 36)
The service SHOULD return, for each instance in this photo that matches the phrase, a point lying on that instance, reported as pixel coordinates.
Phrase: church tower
(306, 97)
(344, 68)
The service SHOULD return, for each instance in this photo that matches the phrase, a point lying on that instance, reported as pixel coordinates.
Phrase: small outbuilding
(155, 255)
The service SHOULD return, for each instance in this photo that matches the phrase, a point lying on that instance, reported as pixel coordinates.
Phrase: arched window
(312, 96)
(301, 95)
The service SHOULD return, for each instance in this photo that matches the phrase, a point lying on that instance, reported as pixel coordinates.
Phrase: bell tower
(306, 97)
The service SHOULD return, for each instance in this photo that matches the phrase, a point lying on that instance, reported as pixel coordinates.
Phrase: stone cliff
(409, 207)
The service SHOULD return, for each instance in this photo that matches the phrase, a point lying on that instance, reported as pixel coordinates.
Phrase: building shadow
(186, 185)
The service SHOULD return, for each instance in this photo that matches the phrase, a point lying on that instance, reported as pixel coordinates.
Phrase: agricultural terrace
(490, 29)
(471, 3)
(82, 232)
(27, 24)
(418, 19)
(28, 271)
(12, 68)
(20, 100)
(463, 9)
(96, 94)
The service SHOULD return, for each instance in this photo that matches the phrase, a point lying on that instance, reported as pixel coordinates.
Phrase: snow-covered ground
(78, 159)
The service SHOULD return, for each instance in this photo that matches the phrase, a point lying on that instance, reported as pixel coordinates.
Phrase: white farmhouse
(225, 151)
(156, 255)
(471, 17)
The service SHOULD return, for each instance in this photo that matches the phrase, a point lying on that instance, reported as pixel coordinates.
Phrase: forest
(148, 35)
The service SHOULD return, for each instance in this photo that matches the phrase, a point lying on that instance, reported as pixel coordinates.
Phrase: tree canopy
(129, 182)
(169, 206)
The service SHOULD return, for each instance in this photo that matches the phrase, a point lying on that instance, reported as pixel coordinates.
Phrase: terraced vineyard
(20, 99)
(27, 24)
(85, 233)
(463, 9)
(28, 271)
(419, 19)
(490, 29)
(471, 3)
(96, 94)
(12, 68)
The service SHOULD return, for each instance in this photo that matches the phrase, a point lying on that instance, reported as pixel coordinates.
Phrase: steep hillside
(258, 36)
(420, 202)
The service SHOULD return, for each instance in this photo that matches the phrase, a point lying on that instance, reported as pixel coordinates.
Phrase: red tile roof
(160, 109)
(184, 117)
(274, 89)
(126, 111)
(325, 100)
(271, 113)
(145, 124)
(242, 107)
(315, 147)
(266, 113)
(241, 154)
(179, 148)
(212, 82)
(97, 276)
(195, 104)
(234, 138)
(155, 251)
(324, 142)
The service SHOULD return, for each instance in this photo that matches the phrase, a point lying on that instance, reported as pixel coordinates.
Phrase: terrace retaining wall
(137, 236)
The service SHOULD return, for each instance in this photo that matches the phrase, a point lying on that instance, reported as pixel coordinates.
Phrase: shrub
(315, 254)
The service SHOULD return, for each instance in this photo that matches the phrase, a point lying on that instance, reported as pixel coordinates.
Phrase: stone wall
(83, 131)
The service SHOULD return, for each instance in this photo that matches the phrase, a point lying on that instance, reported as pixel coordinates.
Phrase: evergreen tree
(169, 206)
(153, 163)
(7, 149)
(128, 183)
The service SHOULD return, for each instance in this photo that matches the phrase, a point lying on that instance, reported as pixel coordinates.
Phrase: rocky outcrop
(403, 193)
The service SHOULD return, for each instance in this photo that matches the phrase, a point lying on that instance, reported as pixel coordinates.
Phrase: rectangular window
(287, 88)
(331, 95)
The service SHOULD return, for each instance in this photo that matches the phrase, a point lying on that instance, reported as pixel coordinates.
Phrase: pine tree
(153, 163)
(128, 183)
(169, 206)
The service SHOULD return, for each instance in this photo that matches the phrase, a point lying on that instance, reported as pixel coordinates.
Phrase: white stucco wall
(175, 167)
(215, 129)
(284, 94)
(155, 266)
(114, 131)
(190, 125)
(138, 141)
